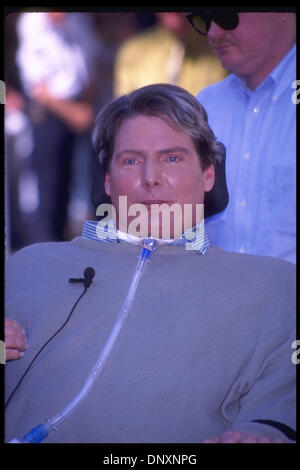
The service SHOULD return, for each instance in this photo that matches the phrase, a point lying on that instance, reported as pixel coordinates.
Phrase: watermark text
(296, 354)
(155, 220)
(295, 95)
(2, 92)
(2, 352)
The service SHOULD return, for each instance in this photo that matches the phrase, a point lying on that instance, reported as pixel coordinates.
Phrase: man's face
(154, 164)
(250, 50)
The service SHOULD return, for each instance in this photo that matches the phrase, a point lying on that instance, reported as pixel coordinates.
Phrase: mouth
(221, 47)
(153, 202)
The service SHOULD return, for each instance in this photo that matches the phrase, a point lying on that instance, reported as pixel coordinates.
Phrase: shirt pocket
(281, 200)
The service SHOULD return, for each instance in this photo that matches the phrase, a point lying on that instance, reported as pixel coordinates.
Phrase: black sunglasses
(226, 17)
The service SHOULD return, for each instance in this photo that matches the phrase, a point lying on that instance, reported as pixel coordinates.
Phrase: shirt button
(256, 109)
(243, 203)
(242, 249)
(247, 155)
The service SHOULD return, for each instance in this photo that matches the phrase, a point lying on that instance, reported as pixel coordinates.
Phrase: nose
(215, 31)
(151, 174)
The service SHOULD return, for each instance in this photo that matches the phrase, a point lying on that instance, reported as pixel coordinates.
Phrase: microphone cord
(45, 344)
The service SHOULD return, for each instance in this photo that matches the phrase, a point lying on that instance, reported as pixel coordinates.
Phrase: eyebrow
(163, 151)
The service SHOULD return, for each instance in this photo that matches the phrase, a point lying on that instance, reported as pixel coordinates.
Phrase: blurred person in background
(18, 148)
(253, 113)
(56, 62)
(168, 52)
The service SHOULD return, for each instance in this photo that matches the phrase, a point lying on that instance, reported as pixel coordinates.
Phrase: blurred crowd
(61, 68)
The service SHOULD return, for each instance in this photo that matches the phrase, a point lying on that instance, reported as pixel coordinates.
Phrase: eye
(173, 158)
(130, 161)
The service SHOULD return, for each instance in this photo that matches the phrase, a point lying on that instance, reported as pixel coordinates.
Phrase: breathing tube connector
(149, 245)
(40, 432)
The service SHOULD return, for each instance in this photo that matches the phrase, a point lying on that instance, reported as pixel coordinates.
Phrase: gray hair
(174, 105)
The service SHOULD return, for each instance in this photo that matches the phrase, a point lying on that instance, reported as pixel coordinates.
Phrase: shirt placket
(245, 197)
(247, 202)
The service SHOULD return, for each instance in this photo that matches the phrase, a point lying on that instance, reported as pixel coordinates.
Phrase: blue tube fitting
(145, 253)
(37, 434)
(149, 246)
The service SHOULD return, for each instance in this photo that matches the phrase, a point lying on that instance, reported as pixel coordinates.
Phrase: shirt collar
(285, 72)
(281, 76)
(194, 238)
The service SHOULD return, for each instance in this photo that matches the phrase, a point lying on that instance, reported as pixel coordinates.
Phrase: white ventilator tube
(39, 433)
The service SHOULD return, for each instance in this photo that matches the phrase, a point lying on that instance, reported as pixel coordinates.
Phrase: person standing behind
(253, 112)
(167, 52)
(55, 58)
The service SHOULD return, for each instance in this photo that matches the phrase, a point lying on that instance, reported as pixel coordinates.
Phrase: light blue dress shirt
(258, 129)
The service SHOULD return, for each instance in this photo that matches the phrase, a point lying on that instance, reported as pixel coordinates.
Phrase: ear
(209, 178)
(107, 184)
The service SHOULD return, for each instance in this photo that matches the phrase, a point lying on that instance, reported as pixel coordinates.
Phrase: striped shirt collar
(194, 238)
